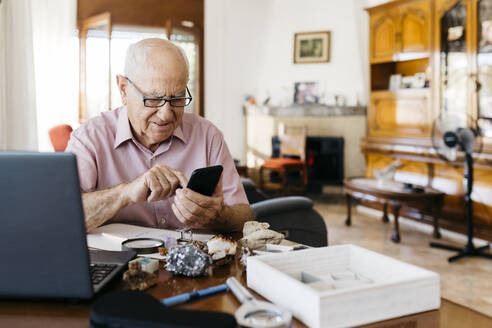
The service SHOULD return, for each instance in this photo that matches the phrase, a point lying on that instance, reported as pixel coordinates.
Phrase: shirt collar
(178, 133)
(124, 132)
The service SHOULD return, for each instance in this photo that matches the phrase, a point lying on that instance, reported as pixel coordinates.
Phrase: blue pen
(170, 301)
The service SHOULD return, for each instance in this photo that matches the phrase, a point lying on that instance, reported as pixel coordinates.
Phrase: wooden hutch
(450, 41)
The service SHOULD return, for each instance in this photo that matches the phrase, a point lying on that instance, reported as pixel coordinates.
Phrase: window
(102, 58)
(187, 41)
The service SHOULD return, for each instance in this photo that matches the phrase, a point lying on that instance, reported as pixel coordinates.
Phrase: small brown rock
(138, 279)
(162, 251)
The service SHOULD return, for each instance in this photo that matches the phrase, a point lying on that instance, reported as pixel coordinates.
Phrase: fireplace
(324, 160)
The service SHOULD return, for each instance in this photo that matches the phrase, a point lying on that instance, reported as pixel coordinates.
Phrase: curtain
(18, 128)
(3, 79)
(56, 66)
(38, 71)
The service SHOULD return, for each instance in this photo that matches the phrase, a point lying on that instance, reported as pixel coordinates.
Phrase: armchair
(59, 136)
(294, 216)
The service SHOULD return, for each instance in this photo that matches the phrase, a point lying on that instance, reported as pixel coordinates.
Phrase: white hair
(137, 52)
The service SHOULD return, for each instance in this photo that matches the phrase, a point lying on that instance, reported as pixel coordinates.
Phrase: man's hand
(198, 211)
(158, 183)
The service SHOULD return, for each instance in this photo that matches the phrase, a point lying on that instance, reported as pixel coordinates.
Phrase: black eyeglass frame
(166, 100)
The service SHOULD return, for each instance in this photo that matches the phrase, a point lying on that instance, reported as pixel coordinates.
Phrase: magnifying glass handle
(239, 291)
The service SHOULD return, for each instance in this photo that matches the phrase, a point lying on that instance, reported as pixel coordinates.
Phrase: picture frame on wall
(312, 47)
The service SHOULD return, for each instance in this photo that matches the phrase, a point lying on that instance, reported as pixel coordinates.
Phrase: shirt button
(163, 220)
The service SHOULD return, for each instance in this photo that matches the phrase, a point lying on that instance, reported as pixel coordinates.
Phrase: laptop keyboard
(100, 271)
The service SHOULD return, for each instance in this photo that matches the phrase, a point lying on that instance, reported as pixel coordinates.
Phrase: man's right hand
(158, 183)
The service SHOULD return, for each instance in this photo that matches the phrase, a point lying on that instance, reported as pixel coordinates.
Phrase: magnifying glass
(255, 313)
(142, 245)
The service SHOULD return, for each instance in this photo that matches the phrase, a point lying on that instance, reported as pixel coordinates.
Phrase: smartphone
(205, 179)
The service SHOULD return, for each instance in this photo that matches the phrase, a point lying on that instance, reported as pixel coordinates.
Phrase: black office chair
(294, 216)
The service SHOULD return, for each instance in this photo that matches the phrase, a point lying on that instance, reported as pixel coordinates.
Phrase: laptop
(43, 245)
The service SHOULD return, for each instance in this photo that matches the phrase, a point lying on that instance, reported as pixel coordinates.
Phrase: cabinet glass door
(454, 62)
(484, 64)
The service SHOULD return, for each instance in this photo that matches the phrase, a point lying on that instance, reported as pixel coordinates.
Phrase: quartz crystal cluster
(188, 261)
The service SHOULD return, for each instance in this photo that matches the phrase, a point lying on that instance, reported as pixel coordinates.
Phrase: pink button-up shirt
(108, 155)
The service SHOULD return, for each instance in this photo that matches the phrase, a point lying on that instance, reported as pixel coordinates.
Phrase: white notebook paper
(109, 237)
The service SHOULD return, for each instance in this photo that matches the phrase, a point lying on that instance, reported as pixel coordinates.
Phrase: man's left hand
(198, 211)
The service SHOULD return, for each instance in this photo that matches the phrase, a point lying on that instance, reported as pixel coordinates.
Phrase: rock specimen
(188, 260)
(201, 245)
(147, 264)
(136, 278)
(220, 246)
(251, 226)
(162, 251)
(256, 235)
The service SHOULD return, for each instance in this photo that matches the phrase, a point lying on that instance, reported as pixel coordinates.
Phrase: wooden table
(73, 315)
(429, 201)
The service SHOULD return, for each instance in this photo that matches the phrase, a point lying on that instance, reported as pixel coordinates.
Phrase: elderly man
(134, 161)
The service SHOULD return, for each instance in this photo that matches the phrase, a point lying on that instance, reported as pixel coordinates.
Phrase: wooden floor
(467, 282)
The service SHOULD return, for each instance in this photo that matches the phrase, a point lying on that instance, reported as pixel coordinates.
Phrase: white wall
(234, 44)
(249, 47)
(342, 75)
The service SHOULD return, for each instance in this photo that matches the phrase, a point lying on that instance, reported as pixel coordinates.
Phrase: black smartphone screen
(205, 179)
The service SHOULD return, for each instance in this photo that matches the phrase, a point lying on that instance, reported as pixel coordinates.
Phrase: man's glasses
(159, 102)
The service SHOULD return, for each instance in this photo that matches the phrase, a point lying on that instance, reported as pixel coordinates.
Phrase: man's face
(159, 78)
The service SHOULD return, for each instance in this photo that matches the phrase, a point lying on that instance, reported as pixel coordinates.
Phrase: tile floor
(467, 282)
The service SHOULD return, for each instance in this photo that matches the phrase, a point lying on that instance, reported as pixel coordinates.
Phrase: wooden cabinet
(400, 46)
(451, 42)
(401, 32)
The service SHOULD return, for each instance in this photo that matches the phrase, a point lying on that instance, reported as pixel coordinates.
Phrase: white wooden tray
(345, 285)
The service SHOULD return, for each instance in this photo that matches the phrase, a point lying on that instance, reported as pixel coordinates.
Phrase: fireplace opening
(324, 160)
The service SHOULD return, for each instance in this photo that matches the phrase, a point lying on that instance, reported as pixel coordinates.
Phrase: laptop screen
(43, 243)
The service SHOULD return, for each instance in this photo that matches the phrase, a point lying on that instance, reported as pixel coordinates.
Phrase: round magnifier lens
(142, 245)
(264, 318)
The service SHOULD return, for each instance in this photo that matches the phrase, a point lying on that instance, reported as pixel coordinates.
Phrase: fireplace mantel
(307, 110)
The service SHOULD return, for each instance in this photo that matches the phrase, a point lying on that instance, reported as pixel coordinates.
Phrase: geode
(188, 261)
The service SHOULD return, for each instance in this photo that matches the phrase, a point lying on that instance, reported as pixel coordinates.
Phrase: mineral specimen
(257, 235)
(220, 246)
(201, 245)
(147, 264)
(138, 279)
(162, 251)
(245, 252)
(251, 226)
(188, 261)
